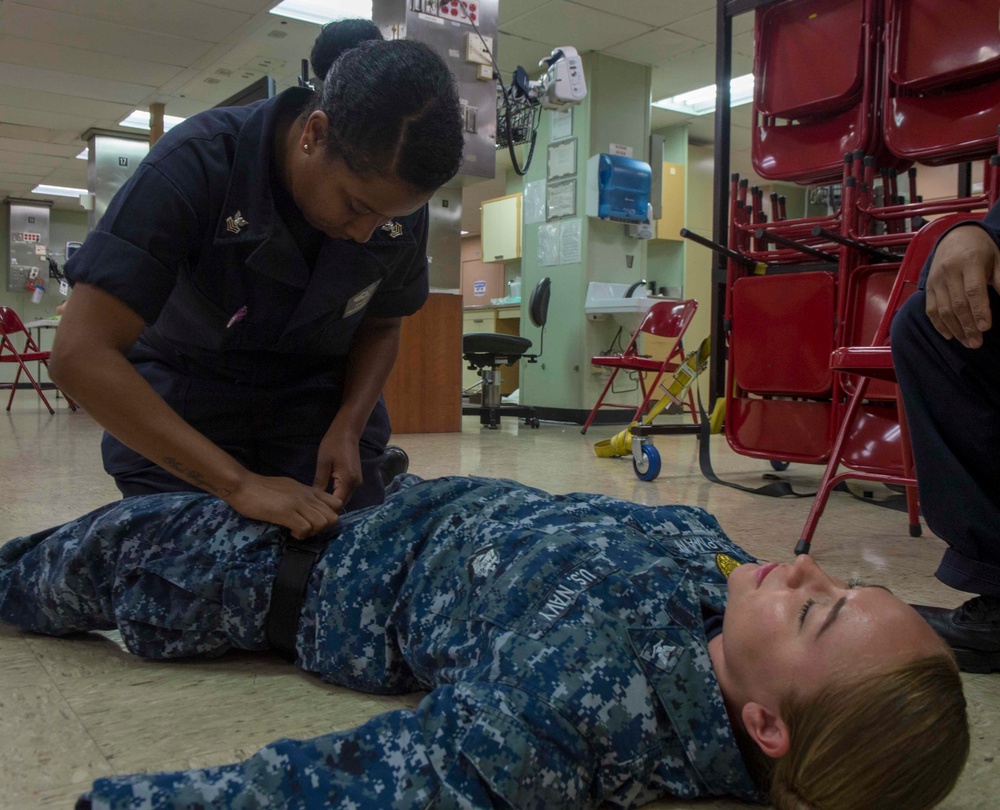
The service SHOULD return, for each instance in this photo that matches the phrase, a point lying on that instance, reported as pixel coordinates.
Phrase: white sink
(604, 299)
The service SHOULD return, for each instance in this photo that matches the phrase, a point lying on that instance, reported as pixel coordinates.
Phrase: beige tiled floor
(74, 710)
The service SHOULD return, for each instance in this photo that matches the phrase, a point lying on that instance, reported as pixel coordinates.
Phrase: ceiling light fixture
(58, 191)
(702, 100)
(139, 119)
(323, 11)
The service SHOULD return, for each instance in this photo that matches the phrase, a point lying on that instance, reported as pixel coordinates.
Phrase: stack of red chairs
(801, 290)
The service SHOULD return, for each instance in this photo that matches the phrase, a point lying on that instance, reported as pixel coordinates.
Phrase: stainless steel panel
(430, 22)
(27, 243)
(444, 239)
(112, 161)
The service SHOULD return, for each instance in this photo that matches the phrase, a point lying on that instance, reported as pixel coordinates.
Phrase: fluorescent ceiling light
(139, 119)
(322, 11)
(84, 154)
(465, 233)
(58, 191)
(702, 100)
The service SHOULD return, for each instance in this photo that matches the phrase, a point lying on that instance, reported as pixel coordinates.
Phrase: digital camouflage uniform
(561, 638)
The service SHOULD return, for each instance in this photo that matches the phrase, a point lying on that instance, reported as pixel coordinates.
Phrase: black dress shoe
(972, 631)
(396, 463)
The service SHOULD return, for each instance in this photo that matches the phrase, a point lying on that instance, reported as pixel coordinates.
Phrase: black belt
(298, 557)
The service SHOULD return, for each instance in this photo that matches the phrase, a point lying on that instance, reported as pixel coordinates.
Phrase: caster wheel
(532, 422)
(649, 469)
(780, 466)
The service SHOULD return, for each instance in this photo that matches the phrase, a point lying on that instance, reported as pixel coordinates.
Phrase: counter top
(479, 307)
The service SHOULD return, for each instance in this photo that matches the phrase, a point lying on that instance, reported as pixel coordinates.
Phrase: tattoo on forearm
(195, 477)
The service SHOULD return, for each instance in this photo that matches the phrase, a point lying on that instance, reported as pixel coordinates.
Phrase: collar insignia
(483, 563)
(235, 222)
(394, 229)
(726, 564)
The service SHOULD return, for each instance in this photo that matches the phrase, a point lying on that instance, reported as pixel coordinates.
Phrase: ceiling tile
(9, 175)
(654, 47)
(512, 9)
(54, 81)
(13, 96)
(46, 120)
(72, 173)
(18, 139)
(83, 63)
(29, 158)
(38, 24)
(743, 44)
(691, 71)
(171, 17)
(513, 51)
(246, 6)
(586, 29)
(652, 12)
(703, 25)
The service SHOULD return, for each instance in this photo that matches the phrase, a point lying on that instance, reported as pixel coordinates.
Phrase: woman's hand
(339, 459)
(965, 262)
(304, 510)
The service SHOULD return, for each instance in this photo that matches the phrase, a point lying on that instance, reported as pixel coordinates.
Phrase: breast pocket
(542, 583)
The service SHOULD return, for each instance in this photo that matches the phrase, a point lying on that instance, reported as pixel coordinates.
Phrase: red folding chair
(781, 334)
(665, 319)
(797, 71)
(12, 328)
(942, 80)
(816, 65)
(873, 441)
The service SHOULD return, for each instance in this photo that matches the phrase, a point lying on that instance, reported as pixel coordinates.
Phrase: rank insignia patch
(726, 564)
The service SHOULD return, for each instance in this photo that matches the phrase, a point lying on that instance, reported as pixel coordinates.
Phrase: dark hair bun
(335, 38)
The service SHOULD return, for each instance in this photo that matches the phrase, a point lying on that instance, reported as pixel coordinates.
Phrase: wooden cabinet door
(501, 228)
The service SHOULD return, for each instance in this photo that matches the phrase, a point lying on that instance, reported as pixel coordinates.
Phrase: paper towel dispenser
(618, 188)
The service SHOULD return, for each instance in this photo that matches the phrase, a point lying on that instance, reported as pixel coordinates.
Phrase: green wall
(562, 379)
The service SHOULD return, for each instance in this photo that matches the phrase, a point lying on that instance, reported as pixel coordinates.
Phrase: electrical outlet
(476, 52)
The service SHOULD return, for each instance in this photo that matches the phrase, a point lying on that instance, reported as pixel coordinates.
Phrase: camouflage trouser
(178, 575)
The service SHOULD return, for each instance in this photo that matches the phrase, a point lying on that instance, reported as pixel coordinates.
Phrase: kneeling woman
(577, 650)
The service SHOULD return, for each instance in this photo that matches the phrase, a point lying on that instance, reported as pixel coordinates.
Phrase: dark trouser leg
(952, 400)
(291, 426)
(273, 431)
(178, 575)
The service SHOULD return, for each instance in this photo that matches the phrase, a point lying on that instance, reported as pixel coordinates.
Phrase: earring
(305, 147)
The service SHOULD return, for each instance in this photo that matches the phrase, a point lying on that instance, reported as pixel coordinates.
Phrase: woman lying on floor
(577, 649)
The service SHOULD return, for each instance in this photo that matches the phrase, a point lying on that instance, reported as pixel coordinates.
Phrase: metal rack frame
(725, 11)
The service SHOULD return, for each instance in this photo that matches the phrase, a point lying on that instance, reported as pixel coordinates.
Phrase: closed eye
(857, 582)
(805, 611)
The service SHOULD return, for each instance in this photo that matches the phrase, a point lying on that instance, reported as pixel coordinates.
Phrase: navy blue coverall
(952, 399)
(250, 312)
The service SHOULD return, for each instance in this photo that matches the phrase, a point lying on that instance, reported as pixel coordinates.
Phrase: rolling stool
(487, 352)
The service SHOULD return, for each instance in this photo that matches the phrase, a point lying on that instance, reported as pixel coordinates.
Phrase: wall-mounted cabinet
(671, 220)
(501, 228)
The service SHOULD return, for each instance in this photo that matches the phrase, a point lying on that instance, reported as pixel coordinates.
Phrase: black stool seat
(487, 348)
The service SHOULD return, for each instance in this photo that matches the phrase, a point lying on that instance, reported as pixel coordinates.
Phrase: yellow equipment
(687, 372)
